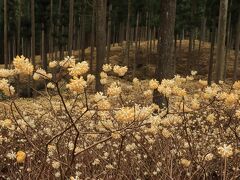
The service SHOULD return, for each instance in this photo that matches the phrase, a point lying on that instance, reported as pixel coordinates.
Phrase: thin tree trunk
(136, 46)
(14, 47)
(203, 32)
(19, 28)
(43, 41)
(100, 39)
(83, 36)
(114, 35)
(70, 27)
(5, 35)
(59, 30)
(127, 47)
(210, 64)
(221, 40)
(32, 49)
(154, 38)
(237, 44)
(180, 43)
(92, 36)
(51, 31)
(147, 35)
(151, 43)
(61, 48)
(33, 31)
(228, 39)
(109, 33)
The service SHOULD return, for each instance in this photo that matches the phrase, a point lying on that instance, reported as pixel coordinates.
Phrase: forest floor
(146, 62)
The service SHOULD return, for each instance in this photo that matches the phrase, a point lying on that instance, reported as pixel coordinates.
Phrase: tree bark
(109, 33)
(221, 40)
(82, 32)
(210, 64)
(5, 35)
(43, 47)
(203, 32)
(92, 36)
(136, 45)
(100, 39)
(70, 27)
(237, 44)
(127, 45)
(165, 64)
(51, 31)
(228, 39)
(33, 31)
(19, 28)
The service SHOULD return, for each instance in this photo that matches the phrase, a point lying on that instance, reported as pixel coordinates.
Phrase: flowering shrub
(68, 132)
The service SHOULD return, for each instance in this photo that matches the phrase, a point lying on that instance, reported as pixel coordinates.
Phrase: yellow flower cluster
(114, 90)
(90, 78)
(53, 64)
(107, 67)
(170, 87)
(231, 99)
(225, 151)
(236, 85)
(77, 85)
(121, 71)
(136, 82)
(21, 156)
(68, 62)
(23, 65)
(41, 74)
(79, 69)
(7, 123)
(50, 85)
(5, 73)
(103, 77)
(153, 84)
(103, 104)
(6, 88)
(185, 162)
(125, 114)
(209, 157)
(99, 96)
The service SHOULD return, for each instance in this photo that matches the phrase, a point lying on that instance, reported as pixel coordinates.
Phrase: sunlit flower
(21, 156)
(68, 62)
(185, 162)
(193, 73)
(153, 84)
(50, 85)
(125, 114)
(6, 88)
(225, 151)
(209, 157)
(107, 67)
(23, 65)
(79, 69)
(53, 64)
(77, 85)
(41, 74)
(114, 90)
(121, 71)
(5, 73)
(56, 164)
